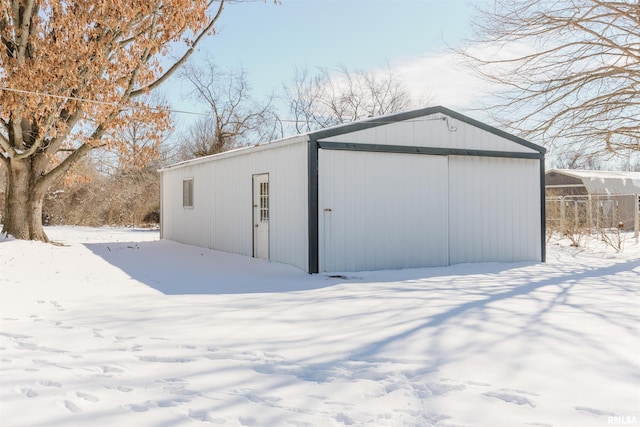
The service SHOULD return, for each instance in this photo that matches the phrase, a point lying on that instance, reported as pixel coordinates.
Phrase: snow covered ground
(117, 328)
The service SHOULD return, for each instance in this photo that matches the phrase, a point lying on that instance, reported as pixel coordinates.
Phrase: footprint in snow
(27, 392)
(42, 362)
(88, 397)
(510, 398)
(120, 388)
(444, 387)
(70, 406)
(520, 392)
(32, 346)
(256, 398)
(478, 384)
(205, 417)
(103, 371)
(316, 396)
(248, 421)
(57, 305)
(296, 423)
(137, 408)
(189, 347)
(594, 412)
(173, 382)
(60, 325)
(161, 359)
(47, 383)
(16, 337)
(345, 419)
(177, 386)
(170, 403)
(107, 369)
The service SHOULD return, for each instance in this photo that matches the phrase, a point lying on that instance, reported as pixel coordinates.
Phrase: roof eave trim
(238, 152)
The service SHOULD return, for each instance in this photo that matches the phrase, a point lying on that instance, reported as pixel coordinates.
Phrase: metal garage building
(593, 199)
(429, 187)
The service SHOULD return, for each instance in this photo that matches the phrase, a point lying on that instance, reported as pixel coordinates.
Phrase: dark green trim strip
(312, 194)
(543, 215)
(392, 118)
(432, 151)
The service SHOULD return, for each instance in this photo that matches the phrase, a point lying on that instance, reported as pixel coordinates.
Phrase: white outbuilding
(429, 187)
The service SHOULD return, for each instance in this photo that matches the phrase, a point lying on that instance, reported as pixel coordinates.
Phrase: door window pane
(264, 201)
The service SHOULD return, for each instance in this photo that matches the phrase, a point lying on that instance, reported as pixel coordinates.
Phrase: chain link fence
(577, 215)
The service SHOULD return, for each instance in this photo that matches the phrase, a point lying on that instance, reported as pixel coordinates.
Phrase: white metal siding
(380, 211)
(432, 131)
(375, 210)
(494, 208)
(221, 217)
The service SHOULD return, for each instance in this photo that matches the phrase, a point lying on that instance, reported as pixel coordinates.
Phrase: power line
(168, 110)
(95, 101)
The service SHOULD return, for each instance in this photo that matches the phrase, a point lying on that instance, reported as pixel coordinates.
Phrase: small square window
(187, 193)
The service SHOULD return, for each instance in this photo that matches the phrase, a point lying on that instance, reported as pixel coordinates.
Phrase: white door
(494, 218)
(382, 210)
(261, 216)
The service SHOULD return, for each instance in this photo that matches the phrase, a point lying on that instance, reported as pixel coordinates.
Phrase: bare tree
(235, 119)
(571, 69)
(70, 72)
(200, 140)
(325, 99)
(113, 187)
(572, 158)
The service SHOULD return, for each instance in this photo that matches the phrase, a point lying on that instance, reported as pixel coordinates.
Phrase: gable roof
(408, 115)
(364, 124)
(604, 182)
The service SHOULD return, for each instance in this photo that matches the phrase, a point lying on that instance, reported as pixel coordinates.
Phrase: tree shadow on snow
(510, 313)
(178, 269)
(508, 317)
(529, 306)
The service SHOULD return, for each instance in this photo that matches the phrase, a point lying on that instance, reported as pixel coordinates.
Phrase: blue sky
(414, 37)
(269, 41)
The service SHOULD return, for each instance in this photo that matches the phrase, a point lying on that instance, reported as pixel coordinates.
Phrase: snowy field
(117, 328)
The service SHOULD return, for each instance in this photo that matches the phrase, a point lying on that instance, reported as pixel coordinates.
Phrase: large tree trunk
(24, 196)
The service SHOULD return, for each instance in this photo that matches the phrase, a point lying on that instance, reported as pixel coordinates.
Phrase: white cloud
(441, 79)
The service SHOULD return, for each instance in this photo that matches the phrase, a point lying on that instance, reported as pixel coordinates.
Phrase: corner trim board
(543, 214)
(312, 195)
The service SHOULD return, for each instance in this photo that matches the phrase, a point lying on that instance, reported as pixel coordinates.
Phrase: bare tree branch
(236, 118)
(180, 62)
(328, 99)
(570, 70)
